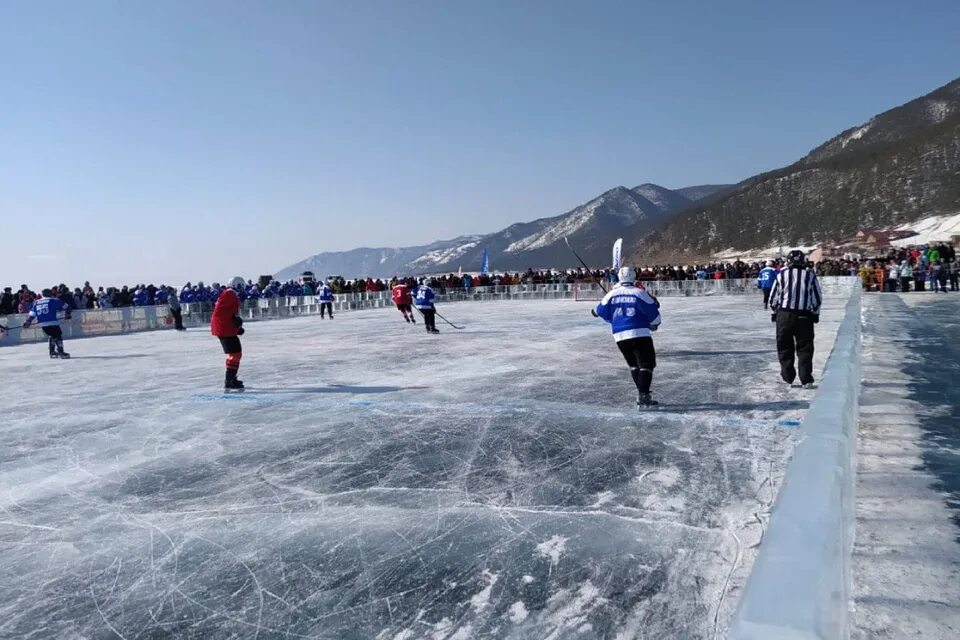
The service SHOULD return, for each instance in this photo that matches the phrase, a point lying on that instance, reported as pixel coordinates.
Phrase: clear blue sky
(166, 141)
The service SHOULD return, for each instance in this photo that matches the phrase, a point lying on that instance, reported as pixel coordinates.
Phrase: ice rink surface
(379, 482)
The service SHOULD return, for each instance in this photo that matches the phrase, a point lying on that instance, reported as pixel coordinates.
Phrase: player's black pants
(54, 338)
(326, 307)
(641, 357)
(766, 296)
(795, 342)
(177, 319)
(430, 318)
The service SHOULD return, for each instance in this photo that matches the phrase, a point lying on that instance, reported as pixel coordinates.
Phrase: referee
(795, 300)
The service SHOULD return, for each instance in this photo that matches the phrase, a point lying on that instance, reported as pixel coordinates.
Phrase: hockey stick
(442, 318)
(448, 322)
(589, 270)
(7, 329)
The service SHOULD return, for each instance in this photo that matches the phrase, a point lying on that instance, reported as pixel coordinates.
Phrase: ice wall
(799, 586)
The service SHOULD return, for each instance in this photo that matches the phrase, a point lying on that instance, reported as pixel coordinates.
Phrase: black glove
(773, 317)
(238, 321)
(241, 331)
(66, 316)
(816, 318)
(593, 312)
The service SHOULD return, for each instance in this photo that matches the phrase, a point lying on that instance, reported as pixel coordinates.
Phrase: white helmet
(769, 263)
(627, 274)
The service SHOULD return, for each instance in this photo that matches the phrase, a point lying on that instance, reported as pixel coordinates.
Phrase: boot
(60, 352)
(230, 382)
(644, 400)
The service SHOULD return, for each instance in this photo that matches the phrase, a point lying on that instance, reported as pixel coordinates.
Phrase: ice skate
(231, 384)
(644, 400)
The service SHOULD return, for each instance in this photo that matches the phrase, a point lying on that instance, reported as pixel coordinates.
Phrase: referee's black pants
(795, 342)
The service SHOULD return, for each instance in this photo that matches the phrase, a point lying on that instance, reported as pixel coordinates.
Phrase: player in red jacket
(403, 300)
(227, 325)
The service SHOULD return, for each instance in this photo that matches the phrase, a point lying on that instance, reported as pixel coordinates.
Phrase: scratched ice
(379, 482)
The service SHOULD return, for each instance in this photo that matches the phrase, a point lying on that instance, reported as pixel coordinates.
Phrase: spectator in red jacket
(227, 325)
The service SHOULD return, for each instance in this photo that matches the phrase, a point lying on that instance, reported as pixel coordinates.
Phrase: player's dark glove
(241, 331)
(593, 312)
(816, 318)
(67, 315)
(238, 321)
(773, 317)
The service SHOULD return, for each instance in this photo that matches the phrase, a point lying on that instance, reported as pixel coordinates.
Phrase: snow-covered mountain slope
(381, 262)
(900, 167)
(592, 227)
(701, 191)
(665, 199)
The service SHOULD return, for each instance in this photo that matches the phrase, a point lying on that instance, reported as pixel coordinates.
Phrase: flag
(485, 265)
(616, 253)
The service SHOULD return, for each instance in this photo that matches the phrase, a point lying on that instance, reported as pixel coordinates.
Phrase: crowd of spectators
(919, 268)
(901, 269)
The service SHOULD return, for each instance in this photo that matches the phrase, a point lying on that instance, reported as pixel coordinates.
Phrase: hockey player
(174, 301)
(424, 302)
(765, 282)
(325, 298)
(227, 325)
(633, 314)
(795, 300)
(401, 298)
(44, 311)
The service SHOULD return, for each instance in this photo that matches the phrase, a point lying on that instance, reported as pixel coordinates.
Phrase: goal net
(587, 291)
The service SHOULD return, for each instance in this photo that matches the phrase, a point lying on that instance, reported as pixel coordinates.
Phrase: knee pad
(233, 360)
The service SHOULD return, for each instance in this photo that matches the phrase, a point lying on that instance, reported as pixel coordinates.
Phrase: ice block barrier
(800, 583)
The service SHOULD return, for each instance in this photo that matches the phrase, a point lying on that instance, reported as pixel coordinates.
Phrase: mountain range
(591, 228)
(902, 165)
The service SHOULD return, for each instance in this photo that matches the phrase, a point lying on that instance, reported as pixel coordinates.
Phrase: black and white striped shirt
(796, 289)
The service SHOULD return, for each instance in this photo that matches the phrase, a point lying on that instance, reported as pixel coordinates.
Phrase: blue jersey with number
(325, 294)
(631, 312)
(45, 311)
(424, 297)
(766, 277)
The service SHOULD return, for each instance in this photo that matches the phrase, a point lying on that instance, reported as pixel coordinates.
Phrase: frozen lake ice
(378, 482)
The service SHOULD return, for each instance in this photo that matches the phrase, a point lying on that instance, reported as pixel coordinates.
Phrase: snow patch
(604, 498)
(927, 230)
(442, 256)
(518, 612)
(528, 579)
(553, 548)
(480, 600)
(570, 612)
(937, 110)
(856, 135)
(627, 210)
(442, 629)
(463, 633)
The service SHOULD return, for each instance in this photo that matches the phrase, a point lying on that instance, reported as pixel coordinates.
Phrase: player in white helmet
(633, 315)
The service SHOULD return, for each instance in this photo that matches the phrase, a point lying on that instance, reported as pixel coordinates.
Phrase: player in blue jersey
(633, 315)
(325, 298)
(44, 312)
(423, 300)
(765, 280)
